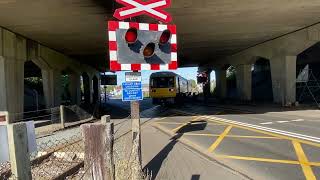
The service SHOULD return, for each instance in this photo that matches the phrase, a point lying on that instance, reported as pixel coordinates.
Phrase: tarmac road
(242, 142)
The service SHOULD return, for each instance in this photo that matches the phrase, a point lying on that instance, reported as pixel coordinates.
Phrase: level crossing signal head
(131, 35)
(165, 37)
(141, 46)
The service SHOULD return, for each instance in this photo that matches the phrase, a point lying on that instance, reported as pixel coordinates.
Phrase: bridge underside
(207, 29)
(62, 37)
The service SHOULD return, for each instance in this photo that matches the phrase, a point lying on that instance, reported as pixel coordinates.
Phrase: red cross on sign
(152, 8)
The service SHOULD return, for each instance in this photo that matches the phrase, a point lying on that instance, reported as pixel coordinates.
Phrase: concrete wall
(15, 50)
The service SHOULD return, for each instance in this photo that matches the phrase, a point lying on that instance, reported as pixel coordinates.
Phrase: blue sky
(188, 73)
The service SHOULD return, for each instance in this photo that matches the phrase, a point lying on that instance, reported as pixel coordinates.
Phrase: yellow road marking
(304, 162)
(258, 159)
(269, 133)
(219, 140)
(315, 163)
(217, 120)
(169, 123)
(232, 136)
(209, 123)
(184, 124)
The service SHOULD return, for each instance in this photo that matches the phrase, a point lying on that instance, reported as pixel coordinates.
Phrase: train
(168, 88)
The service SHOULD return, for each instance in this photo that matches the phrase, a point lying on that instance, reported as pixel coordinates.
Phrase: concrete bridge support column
(74, 89)
(221, 83)
(12, 57)
(52, 87)
(206, 87)
(11, 87)
(91, 88)
(244, 76)
(283, 73)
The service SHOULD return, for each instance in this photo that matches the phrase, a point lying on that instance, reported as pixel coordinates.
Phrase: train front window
(162, 82)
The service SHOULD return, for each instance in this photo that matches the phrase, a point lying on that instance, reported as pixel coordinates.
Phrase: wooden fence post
(62, 116)
(105, 119)
(109, 150)
(18, 151)
(95, 147)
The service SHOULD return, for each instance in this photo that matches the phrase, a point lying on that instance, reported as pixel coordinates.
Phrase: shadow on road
(155, 164)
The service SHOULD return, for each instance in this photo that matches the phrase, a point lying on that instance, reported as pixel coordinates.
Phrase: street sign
(124, 55)
(132, 91)
(108, 79)
(133, 77)
(152, 8)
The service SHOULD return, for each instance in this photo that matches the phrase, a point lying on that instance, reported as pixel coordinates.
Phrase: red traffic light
(148, 51)
(131, 35)
(165, 37)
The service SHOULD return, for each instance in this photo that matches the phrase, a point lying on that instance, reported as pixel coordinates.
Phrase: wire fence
(57, 156)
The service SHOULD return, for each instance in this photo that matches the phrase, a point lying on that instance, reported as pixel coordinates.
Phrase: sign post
(132, 91)
(135, 46)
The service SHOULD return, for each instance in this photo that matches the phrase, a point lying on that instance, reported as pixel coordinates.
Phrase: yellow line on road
(184, 124)
(315, 163)
(258, 159)
(219, 140)
(269, 133)
(169, 123)
(232, 136)
(304, 162)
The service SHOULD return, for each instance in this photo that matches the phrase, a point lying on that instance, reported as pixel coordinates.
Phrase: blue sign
(132, 91)
(132, 85)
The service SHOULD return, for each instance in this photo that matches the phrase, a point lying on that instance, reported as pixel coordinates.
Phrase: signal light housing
(148, 51)
(165, 37)
(131, 35)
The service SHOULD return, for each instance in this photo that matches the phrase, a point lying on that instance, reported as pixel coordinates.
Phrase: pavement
(238, 140)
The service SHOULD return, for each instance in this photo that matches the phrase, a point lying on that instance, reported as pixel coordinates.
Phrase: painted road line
(304, 162)
(298, 120)
(286, 133)
(219, 140)
(258, 159)
(232, 136)
(315, 163)
(181, 126)
(175, 123)
(266, 123)
(282, 121)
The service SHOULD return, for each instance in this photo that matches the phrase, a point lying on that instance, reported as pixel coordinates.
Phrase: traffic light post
(135, 47)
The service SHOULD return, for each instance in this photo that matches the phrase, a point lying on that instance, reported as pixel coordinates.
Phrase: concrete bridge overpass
(68, 37)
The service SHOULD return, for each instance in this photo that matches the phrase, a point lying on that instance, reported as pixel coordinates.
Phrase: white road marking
(282, 121)
(298, 120)
(281, 132)
(265, 123)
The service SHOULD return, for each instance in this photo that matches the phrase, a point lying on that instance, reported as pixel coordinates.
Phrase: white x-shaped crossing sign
(153, 8)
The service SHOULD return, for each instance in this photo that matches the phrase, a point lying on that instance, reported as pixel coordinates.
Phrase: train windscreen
(162, 82)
